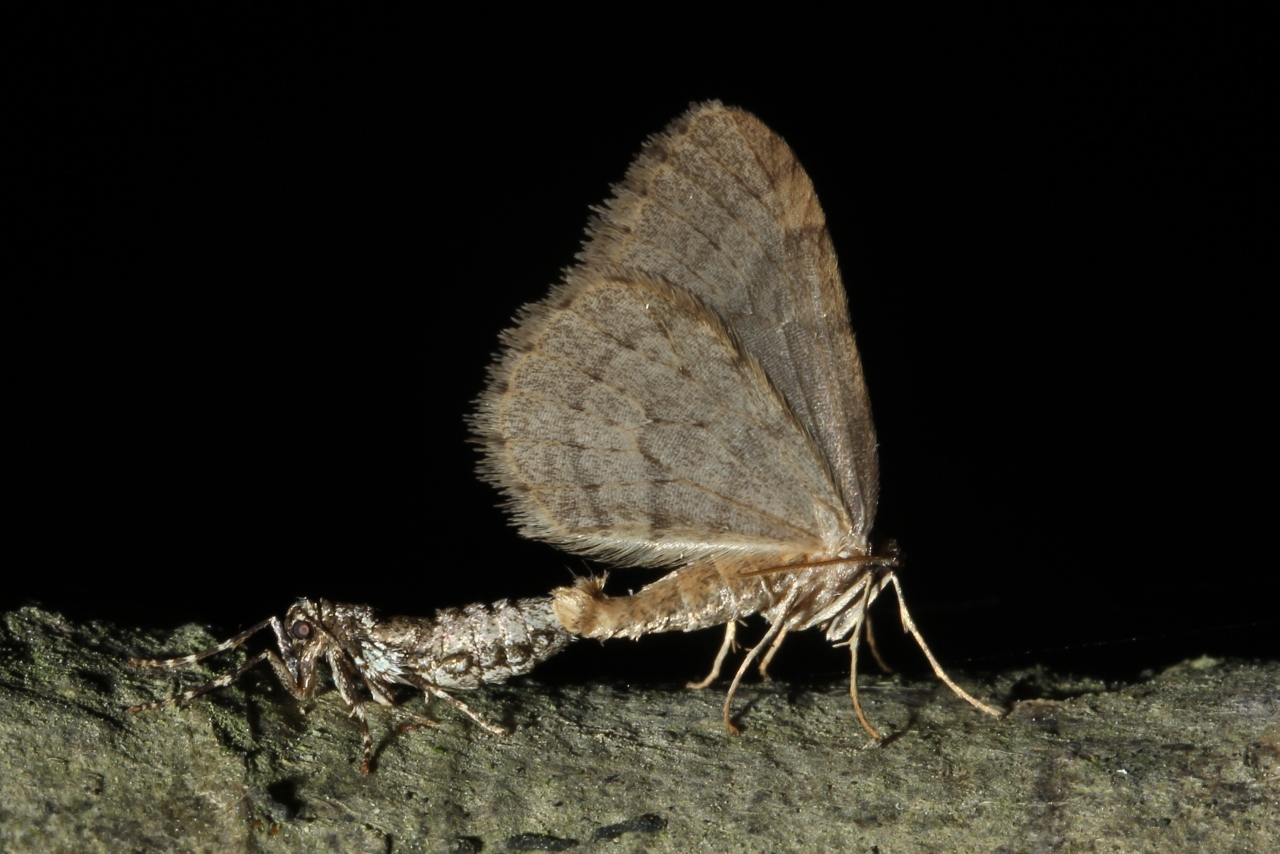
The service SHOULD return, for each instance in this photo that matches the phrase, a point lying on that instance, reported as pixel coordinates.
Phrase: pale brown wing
(623, 420)
(718, 206)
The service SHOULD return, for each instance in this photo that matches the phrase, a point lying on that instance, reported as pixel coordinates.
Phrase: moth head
(305, 623)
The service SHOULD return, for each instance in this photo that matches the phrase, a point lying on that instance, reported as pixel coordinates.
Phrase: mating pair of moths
(689, 398)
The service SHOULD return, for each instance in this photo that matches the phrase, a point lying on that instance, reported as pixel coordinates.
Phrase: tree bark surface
(1188, 760)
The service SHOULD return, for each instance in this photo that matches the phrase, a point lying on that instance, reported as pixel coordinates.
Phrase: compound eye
(301, 630)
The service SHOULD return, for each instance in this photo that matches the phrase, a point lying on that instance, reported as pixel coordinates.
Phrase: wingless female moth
(689, 398)
(457, 649)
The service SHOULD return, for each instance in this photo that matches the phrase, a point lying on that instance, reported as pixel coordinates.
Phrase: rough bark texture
(1186, 761)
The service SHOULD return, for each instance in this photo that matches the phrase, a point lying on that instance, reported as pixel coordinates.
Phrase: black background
(272, 265)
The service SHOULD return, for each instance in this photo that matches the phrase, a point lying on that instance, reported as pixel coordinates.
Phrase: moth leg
(910, 626)
(768, 656)
(432, 691)
(418, 721)
(283, 670)
(366, 738)
(222, 681)
(854, 643)
(746, 662)
(229, 643)
(345, 679)
(875, 650)
(730, 634)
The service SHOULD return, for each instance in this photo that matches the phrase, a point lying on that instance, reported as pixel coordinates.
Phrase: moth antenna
(886, 560)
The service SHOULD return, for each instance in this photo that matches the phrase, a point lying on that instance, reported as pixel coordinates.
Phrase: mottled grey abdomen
(488, 643)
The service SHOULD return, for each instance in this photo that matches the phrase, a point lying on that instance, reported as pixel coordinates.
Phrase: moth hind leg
(729, 644)
(434, 691)
(358, 705)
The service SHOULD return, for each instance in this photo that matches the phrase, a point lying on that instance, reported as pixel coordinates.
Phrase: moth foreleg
(909, 625)
(284, 672)
(344, 677)
(229, 643)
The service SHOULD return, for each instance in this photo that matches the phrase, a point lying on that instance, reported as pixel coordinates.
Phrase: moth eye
(301, 630)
